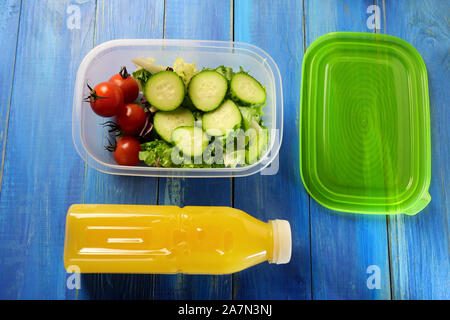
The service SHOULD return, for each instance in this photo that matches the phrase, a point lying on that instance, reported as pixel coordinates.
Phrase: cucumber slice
(246, 89)
(225, 118)
(165, 90)
(207, 90)
(192, 141)
(167, 121)
(258, 141)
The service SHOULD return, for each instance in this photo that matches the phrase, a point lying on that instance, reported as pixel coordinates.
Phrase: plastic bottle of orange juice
(169, 239)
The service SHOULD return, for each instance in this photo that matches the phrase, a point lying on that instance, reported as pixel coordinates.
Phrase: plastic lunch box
(364, 114)
(106, 59)
(365, 124)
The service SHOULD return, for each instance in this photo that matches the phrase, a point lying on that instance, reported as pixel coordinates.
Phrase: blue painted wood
(129, 19)
(42, 173)
(276, 27)
(420, 248)
(200, 20)
(9, 28)
(209, 20)
(115, 20)
(344, 246)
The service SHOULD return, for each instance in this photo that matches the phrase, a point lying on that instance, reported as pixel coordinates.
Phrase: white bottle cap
(282, 241)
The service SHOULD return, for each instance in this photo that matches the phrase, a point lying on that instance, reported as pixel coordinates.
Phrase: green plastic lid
(365, 124)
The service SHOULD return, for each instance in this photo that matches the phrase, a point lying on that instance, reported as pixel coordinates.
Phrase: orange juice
(169, 239)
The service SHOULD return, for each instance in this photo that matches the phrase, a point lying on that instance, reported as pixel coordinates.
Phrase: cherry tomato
(132, 119)
(127, 83)
(106, 99)
(127, 151)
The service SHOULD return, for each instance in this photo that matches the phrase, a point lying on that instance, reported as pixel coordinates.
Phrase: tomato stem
(124, 73)
(113, 128)
(112, 146)
(92, 95)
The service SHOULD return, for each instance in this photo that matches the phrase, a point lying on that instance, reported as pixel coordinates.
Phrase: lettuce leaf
(185, 70)
(141, 76)
(227, 72)
(250, 114)
(148, 63)
(156, 153)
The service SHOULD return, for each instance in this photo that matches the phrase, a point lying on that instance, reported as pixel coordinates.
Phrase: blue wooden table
(335, 255)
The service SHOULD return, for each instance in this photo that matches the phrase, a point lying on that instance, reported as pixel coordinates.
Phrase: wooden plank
(420, 249)
(276, 27)
(9, 28)
(200, 20)
(115, 20)
(195, 20)
(129, 19)
(344, 246)
(42, 172)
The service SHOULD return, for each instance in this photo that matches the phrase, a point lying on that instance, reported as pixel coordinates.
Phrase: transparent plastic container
(107, 58)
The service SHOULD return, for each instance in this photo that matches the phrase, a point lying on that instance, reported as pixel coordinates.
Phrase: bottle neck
(282, 242)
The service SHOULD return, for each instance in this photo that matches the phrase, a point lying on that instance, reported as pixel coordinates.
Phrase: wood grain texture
(276, 27)
(129, 19)
(117, 19)
(343, 246)
(197, 19)
(420, 249)
(42, 174)
(207, 20)
(9, 28)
